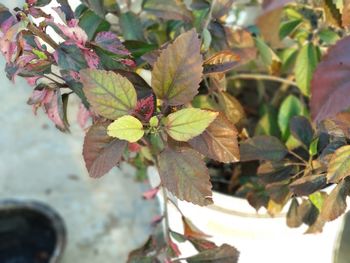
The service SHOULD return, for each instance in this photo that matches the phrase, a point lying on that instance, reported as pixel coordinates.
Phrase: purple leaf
(111, 43)
(330, 86)
(74, 32)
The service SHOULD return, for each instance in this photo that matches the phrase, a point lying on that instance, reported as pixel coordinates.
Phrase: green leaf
(308, 184)
(305, 66)
(139, 48)
(168, 9)
(328, 36)
(218, 141)
(126, 128)
(317, 199)
(110, 94)
(184, 174)
(289, 108)
(287, 27)
(178, 70)
(101, 152)
(92, 24)
(70, 57)
(131, 26)
(266, 53)
(268, 125)
(335, 203)
(262, 148)
(301, 129)
(154, 122)
(339, 166)
(188, 123)
(222, 254)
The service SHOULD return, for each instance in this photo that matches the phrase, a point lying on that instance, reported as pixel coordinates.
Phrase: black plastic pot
(30, 232)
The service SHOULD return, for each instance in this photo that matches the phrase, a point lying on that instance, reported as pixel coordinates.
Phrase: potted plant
(206, 103)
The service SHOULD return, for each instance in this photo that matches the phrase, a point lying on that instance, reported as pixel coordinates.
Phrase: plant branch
(298, 157)
(165, 214)
(45, 37)
(263, 77)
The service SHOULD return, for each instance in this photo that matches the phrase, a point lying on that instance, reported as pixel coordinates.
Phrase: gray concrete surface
(106, 218)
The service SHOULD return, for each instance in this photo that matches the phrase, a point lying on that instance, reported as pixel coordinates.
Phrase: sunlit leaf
(332, 14)
(178, 71)
(185, 175)
(330, 91)
(126, 128)
(221, 62)
(339, 166)
(218, 141)
(222, 254)
(287, 27)
(101, 152)
(305, 66)
(110, 94)
(335, 203)
(262, 148)
(188, 123)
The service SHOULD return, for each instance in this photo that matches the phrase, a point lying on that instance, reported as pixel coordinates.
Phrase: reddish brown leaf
(178, 71)
(218, 141)
(308, 184)
(269, 20)
(330, 86)
(184, 174)
(101, 152)
(346, 14)
(223, 254)
(335, 203)
(190, 230)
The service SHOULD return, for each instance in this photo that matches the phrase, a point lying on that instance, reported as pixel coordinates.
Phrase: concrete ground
(105, 218)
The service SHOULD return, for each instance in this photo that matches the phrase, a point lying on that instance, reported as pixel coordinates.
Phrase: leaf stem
(298, 157)
(263, 77)
(165, 214)
(36, 31)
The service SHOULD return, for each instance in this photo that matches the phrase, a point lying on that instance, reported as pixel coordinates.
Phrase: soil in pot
(26, 236)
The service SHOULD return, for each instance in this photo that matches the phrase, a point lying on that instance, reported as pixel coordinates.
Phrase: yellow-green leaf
(305, 66)
(188, 123)
(126, 128)
(110, 95)
(178, 70)
(339, 166)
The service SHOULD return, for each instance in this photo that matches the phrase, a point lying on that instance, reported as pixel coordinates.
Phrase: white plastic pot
(258, 237)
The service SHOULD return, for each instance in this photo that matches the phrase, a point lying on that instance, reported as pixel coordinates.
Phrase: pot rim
(47, 211)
